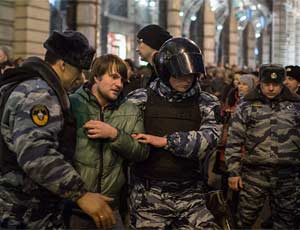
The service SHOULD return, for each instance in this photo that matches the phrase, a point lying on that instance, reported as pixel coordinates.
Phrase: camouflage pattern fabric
(297, 217)
(279, 185)
(169, 205)
(195, 144)
(41, 165)
(270, 132)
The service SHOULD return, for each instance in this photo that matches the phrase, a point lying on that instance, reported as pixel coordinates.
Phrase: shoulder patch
(39, 115)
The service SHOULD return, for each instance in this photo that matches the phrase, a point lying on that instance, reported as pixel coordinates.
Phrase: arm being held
(196, 143)
(127, 146)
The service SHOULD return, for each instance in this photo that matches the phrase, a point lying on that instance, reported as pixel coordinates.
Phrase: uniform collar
(165, 91)
(285, 95)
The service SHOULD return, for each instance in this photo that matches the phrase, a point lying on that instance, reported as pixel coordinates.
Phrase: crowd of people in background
(223, 81)
(6, 62)
(155, 127)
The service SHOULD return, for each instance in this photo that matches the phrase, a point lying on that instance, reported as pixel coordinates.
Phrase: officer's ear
(62, 65)
(59, 66)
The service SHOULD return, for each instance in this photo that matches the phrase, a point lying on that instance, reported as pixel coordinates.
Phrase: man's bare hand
(235, 183)
(158, 142)
(99, 129)
(96, 206)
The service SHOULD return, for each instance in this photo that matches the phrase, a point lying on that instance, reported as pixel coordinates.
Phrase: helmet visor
(186, 63)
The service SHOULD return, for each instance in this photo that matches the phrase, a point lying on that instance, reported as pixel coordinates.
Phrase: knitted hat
(72, 47)
(293, 71)
(248, 79)
(153, 35)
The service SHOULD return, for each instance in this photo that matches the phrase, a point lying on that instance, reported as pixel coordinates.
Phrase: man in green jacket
(105, 123)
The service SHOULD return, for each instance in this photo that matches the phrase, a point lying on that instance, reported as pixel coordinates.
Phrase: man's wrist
(168, 142)
(115, 134)
(76, 195)
(165, 141)
(234, 173)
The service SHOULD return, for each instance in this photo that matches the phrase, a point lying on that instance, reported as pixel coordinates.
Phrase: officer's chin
(183, 90)
(271, 96)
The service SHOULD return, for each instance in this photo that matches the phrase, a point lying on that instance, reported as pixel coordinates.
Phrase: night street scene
(150, 114)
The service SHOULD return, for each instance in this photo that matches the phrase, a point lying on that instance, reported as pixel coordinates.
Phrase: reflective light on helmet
(185, 63)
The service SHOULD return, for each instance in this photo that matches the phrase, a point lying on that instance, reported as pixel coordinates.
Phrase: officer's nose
(271, 87)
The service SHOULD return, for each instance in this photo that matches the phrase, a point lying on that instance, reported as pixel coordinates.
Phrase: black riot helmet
(178, 57)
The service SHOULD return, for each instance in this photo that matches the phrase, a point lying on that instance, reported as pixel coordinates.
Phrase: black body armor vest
(35, 68)
(162, 118)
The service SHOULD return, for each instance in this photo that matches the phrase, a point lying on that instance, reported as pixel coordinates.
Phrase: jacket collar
(285, 95)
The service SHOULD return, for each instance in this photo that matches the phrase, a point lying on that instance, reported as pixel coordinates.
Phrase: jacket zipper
(101, 156)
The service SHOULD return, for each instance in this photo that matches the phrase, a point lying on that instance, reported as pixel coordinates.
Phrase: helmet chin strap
(193, 84)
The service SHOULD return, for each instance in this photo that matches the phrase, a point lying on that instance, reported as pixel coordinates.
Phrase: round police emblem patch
(40, 115)
(274, 75)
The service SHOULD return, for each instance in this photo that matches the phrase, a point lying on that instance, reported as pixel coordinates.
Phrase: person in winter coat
(105, 123)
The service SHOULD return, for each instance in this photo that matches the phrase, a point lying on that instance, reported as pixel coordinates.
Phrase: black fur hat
(72, 47)
(293, 71)
(272, 73)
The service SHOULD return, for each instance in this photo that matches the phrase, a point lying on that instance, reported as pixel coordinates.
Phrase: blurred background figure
(133, 81)
(150, 38)
(4, 54)
(246, 84)
(130, 68)
(9, 64)
(4, 59)
(292, 79)
(241, 85)
(18, 61)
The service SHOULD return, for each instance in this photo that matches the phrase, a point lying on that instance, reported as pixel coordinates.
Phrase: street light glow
(143, 2)
(219, 27)
(193, 18)
(152, 4)
(243, 18)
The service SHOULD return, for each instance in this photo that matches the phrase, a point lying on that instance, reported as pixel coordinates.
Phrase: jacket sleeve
(235, 141)
(128, 147)
(36, 146)
(195, 144)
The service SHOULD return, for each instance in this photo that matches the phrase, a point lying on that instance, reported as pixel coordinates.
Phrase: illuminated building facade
(243, 32)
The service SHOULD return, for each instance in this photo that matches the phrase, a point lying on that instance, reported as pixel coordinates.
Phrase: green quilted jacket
(100, 161)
